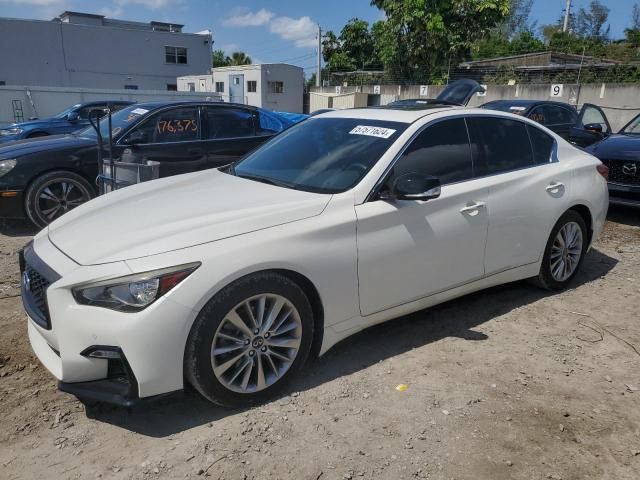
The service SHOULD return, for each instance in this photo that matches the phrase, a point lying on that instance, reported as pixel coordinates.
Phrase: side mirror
(414, 186)
(593, 128)
(135, 137)
(72, 117)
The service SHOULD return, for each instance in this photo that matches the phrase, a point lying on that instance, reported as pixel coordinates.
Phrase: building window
(177, 55)
(275, 87)
(219, 87)
(191, 86)
(252, 86)
(172, 87)
(131, 87)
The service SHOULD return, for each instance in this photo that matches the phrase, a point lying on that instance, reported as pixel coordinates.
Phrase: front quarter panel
(321, 248)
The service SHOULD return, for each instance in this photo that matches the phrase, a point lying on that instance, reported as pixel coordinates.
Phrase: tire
(222, 377)
(552, 276)
(37, 135)
(45, 199)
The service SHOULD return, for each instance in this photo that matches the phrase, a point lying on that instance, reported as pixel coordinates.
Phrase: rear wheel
(564, 253)
(55, 193)
(249, 340)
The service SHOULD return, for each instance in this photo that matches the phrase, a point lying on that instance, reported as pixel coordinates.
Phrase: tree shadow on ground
(455, 318)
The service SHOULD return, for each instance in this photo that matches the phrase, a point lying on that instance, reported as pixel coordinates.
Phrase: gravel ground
(510, 383)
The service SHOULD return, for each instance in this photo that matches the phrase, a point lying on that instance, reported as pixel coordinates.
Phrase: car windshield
(633, 127)
(66, 111)
(324, 155)
(120, 121)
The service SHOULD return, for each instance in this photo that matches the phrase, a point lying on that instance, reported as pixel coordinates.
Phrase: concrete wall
(288, 101)
(620, 102)
(48, 101)
(70, 55)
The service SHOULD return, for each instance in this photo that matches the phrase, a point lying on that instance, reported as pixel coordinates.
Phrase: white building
(274, 86)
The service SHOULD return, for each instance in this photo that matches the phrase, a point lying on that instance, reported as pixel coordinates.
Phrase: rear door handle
(554, 186)
(473, 207)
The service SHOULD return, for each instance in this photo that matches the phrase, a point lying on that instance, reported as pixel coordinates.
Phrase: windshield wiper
(267, 180)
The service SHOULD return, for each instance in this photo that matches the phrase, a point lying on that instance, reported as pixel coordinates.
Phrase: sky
(268, 31)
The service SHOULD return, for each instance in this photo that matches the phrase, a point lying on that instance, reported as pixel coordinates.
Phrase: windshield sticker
(379, 132)
(139, 111)
(517, 109)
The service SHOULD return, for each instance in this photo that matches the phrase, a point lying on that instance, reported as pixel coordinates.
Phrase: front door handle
(472, 207)
(554, 187)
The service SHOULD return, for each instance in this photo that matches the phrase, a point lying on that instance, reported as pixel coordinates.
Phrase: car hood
(176, 212)
(31, 124)
(19, 148)
(620, 146)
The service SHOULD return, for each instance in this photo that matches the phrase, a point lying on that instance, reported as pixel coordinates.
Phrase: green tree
(330, 46)
(218, 58)
(238, 58)
(591, 23)
(423, 36)
(357, 43)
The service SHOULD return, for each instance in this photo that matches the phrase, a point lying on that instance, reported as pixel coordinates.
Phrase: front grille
(623, 171)
(36, 279)
(38, 288)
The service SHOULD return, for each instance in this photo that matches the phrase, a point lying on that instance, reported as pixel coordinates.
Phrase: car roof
(390, 114)
(102, 102)
(525, 103)
(187, 103)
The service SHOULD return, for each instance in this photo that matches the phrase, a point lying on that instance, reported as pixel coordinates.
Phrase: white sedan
(229, 279)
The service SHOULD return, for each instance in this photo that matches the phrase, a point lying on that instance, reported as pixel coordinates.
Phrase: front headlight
(133, 292)
(10, 131)
(6, 166)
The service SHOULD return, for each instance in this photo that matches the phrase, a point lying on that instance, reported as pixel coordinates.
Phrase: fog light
(108, 354)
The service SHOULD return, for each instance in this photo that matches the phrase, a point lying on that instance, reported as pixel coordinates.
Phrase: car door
(229, 134)
(592, 126)
(171, 137)
(409, 249)
(528, 189)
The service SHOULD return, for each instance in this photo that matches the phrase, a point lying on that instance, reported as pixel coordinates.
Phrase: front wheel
(249, 340)
(564, 253)
(53, 194)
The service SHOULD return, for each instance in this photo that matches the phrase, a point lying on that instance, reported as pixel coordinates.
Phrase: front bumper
(628, 195)
(150, 343)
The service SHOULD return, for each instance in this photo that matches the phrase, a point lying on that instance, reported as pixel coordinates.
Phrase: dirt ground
(510, 383)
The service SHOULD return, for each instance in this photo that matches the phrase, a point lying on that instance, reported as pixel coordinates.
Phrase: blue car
(69, 120)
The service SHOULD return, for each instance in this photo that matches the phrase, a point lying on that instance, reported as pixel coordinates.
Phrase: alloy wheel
(256, 343)
(566, 251)
(55, 198)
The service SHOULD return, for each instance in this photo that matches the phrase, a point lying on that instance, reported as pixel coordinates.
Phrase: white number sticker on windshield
(139, 111)
(379, 132)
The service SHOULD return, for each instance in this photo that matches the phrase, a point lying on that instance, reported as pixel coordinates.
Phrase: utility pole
(319, 65)
(567, 13)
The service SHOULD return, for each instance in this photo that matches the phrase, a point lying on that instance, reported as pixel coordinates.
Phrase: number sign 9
(556, 90)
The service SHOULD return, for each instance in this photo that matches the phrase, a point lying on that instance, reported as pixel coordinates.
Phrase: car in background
(456, 93)
(621, 153)
(581, 128)
(230, 279)
(69, 120)
(42, 179)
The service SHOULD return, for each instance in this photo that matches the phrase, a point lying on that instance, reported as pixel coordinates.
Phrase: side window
(593, 115)
(176, 125)
(555, 115)
(224, 122)
(537, 115)
(499, 145)
(541, 143)
(441, 150)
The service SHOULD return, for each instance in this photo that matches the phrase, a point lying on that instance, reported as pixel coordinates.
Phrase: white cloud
(302, 31)
(250, 19)
(111, 12)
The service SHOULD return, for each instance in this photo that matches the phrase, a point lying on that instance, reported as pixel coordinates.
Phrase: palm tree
(238, 58)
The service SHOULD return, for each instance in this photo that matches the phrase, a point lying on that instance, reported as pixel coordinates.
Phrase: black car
(42, 179)
(71, 119)
(621, 153)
